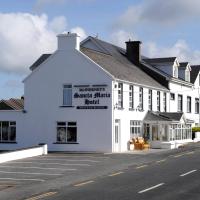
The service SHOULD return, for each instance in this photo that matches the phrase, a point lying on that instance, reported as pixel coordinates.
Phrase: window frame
(120, 95)
(141, 98)
(135, 128)
(196, 105)
(158, 100)
(172, 96)
(164, 101)
(66, 126)
(189, 104)
(131, 97)
(11, 125)
(67, 89)
(180, 103)
(150, 106)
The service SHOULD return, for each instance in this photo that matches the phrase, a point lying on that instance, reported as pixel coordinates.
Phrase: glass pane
(71, 134)
(61, 134)
(12, 134)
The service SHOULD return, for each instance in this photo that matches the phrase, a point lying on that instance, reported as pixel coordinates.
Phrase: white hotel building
(95, 96)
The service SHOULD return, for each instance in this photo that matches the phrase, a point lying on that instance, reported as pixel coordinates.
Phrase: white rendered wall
(44, 96)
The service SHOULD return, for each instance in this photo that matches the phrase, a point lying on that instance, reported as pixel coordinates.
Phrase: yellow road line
(42, 196)
(191, 152)
(178, 155)
(84, 183)
(115, 174)
(142, 166)
(159, 161)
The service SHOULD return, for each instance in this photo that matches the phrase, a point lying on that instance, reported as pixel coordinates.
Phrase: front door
(117, 136)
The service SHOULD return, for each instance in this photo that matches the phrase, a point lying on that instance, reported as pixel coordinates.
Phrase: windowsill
(9, 142)
(120, 108)
(65, 143)
(67, 106)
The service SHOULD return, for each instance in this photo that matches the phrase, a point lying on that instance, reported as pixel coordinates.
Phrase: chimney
(133, 51)
(68, 41)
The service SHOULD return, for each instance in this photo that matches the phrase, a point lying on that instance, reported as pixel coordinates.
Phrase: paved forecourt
(44, 168)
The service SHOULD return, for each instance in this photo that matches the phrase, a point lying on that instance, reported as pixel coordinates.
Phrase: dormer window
(175, 71)
(187, 75)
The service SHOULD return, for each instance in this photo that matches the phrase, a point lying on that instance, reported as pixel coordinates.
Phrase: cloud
(120, 37)
(80, 31)
(58, 24)
(159, 12)
(180, 49)
(24, 37)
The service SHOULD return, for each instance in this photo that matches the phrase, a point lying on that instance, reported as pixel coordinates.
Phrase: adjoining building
(95, 96)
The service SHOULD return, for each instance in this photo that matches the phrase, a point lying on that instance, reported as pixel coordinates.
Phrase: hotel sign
(91, 97)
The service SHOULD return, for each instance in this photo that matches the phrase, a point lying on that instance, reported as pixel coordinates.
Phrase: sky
(28, 28)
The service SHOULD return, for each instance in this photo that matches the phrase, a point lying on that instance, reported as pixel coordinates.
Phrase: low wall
(24, 153)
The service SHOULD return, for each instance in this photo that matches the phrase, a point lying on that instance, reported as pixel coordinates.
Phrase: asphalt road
(148, 175)
(175, 177)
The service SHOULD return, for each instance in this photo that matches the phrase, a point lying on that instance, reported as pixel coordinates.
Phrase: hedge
(195, 129)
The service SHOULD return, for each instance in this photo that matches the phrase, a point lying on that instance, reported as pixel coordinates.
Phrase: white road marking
(178, 155)
(46, 163)
(95, 161)
(42, 196)
(84, 183)
(159, 161)
(62, 169)
(6, 172)
(185, 174)
(191, 152)
(115, 174)
(150, 188)
(53, 156)
(24, 179)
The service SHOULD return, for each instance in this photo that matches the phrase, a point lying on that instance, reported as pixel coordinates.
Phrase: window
(187, 75)
(120, 95)
(158, 100)
(172, 96)
(135, 128)
(7, 131)
(196, 105)
(141, 98)
(175, 71)
(66, 132)
(67, 95)
(150, 100)
(131, 102)
(189, 104)
(164, 102)
(180, 103)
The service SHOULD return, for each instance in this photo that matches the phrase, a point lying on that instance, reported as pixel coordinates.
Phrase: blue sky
(28, 28)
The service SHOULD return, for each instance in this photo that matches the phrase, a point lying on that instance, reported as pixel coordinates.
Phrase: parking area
(44, 168)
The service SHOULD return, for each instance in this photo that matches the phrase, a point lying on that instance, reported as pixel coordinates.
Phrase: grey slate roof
(121, 68)
(39, 61)
(194, 72)
(160, 60)
(183, 64)
(163, 116)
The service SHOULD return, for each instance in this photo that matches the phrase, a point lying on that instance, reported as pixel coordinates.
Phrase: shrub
(195, 129)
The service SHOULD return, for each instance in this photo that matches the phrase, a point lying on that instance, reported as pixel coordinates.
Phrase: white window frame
(141, 106)
(131, 97)
(189, 104)
(150, 99)
(164, 102)
(135, 128)
(120, 95)
(180, 103)
(158, 100)
(65, 133)
(67, 95)
(11, 124)
(196, 105)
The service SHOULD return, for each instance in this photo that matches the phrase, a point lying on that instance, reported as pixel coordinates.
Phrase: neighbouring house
(95, 96)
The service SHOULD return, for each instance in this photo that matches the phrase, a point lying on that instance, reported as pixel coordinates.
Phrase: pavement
(46, 176)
